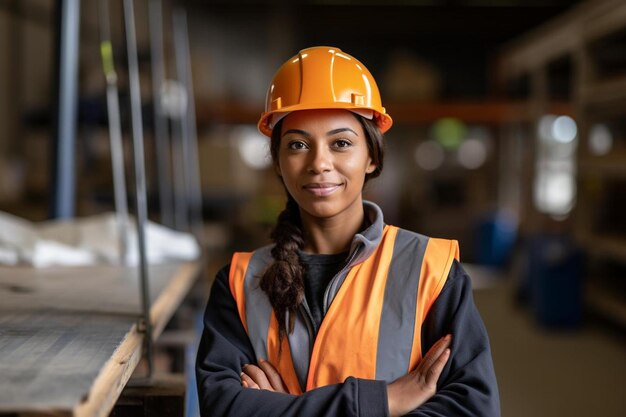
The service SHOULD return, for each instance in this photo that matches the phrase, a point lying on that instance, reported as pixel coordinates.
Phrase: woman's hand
(264, 376)
(407, 393)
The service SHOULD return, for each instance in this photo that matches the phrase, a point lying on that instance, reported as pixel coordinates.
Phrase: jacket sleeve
(225, 348)
(467, 385)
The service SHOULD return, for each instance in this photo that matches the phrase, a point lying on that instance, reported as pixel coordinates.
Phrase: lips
(322, 189)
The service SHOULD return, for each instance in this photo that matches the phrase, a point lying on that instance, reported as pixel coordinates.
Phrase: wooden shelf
(584, 23)
(607, 246)
(588, 37)
(604, 92)
(483, 111)
(94, 311)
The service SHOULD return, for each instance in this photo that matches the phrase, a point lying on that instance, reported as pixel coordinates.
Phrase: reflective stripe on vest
(372, 328)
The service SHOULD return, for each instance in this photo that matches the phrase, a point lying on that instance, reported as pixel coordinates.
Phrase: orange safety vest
(372, 328)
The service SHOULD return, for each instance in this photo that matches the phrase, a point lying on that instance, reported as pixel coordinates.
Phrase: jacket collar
(365, 242)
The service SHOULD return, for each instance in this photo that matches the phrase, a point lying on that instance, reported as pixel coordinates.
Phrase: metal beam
(140, 175)
(161, 134)
(63, 165)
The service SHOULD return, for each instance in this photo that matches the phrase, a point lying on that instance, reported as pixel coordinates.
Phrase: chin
(325, 208)
(321, 209)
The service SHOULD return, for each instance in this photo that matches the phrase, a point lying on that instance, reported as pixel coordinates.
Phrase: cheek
(358, 167)
(287, 170)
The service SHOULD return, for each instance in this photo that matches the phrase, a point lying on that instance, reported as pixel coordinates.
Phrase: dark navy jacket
(466, 387)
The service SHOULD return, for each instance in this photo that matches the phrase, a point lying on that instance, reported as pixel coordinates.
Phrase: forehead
(322, 121)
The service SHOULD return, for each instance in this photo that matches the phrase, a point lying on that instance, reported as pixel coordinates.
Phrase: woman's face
(322, 159)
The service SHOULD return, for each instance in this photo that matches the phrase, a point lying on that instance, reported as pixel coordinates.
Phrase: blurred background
(509, 135)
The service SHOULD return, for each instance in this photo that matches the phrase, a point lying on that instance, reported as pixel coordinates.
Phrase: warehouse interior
(509, 135)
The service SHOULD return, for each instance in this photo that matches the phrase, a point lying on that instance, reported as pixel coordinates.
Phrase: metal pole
(63, 166)
(190, 137)
(16, 53)
(115, 129)
(161, 136)
(181, 203)
(177, 108)
(140, 177)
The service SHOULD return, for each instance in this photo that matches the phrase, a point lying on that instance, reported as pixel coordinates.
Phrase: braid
(283, 281)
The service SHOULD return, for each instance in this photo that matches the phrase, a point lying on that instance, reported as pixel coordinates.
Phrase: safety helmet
(323, 77)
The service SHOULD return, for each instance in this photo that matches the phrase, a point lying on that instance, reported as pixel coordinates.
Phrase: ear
(371, 167)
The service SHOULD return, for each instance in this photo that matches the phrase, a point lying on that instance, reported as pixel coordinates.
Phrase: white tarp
(87, 241)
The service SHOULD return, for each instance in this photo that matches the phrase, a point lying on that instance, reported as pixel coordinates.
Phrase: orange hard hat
(323, 77)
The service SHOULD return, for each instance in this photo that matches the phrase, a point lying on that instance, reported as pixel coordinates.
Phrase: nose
(320, 160)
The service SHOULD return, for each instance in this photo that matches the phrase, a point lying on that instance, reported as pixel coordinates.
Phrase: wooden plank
(539, 46)
(608, 18)
(68, 336)
(99, 289)
(604, 92)
(110, 382)
(49, 359)
(586, 22)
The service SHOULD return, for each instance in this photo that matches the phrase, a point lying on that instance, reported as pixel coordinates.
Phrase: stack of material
(87, 241)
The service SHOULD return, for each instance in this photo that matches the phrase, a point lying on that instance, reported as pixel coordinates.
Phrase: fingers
(414, 389)
(247, 382)
(432, 374)
(272, 375)
(254, 377)
(435, 352)
(263, 376)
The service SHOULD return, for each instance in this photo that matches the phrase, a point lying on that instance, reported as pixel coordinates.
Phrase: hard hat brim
(383, 120)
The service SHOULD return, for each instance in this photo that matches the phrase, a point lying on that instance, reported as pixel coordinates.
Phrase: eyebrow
(297, 131)
(329, 133)
(341, 130)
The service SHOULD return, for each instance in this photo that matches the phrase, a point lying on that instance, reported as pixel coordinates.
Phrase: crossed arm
(465, 385)
(403, 395)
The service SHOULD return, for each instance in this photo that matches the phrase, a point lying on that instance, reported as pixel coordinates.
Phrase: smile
(321, 189)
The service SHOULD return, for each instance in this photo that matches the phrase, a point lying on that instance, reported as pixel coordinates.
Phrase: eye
(296, 145)
(342, 144)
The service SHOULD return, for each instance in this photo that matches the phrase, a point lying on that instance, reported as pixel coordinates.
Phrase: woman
(333, 317)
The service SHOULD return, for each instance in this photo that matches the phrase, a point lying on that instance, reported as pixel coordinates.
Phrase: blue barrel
(555, 274)
(496, 234)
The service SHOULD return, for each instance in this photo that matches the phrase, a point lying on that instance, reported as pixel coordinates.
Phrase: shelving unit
(593, 36)
(405, 113)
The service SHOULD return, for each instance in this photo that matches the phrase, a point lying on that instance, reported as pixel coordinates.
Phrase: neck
(334, 234)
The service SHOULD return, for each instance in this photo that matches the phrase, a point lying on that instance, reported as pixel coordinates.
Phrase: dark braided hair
(283, 280)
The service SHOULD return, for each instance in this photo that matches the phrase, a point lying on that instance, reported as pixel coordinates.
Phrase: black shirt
(320, 270)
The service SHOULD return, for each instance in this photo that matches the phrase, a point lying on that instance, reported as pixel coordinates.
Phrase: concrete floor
(547, 373)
